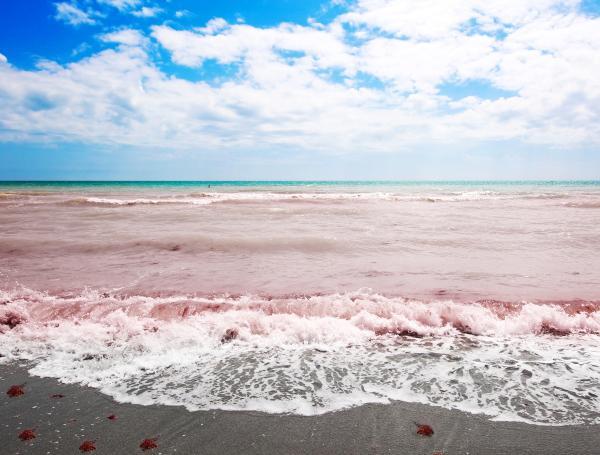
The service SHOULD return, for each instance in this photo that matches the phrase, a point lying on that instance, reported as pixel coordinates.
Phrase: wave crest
(346, 317)
(314, 354)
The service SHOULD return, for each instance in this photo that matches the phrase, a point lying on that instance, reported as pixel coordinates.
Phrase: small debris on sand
(424, 430)
(148, 444)
(88, 446)
(26, 435)
(15, 391)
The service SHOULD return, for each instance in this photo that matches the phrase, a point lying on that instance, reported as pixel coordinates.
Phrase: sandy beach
(62, 424)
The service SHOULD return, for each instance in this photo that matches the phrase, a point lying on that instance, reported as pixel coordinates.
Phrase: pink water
(479, 297)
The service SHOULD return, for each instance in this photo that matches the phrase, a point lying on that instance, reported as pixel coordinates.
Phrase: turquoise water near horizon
(62, 184)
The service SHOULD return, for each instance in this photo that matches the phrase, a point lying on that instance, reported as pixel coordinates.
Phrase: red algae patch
(26, 435)
(11, 319)
(424, 430)
(464, 328)
(148, 444)
(112, 417)
(15, 391)
(397, 332)
(548, 329)
(87, 446)
(229, 335)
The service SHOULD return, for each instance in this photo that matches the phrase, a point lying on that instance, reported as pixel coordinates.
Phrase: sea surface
(309, 297)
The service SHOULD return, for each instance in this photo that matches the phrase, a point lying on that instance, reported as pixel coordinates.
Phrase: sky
(299, 89)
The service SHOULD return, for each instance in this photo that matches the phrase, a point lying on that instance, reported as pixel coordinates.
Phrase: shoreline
(63, 423)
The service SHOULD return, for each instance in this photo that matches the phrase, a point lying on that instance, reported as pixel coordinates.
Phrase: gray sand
(63, 423)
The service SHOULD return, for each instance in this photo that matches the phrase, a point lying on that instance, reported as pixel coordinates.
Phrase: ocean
(309, 297)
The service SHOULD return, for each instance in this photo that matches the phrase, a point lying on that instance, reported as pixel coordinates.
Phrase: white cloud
(80, 49)
(430, 19)
(214, 25)
(71, 14)
(121, 5)
(147, 11)
(3, 58)
(422, 65)
(228, 43)
(131, 7)
(128, 37)
(376, 78)
(181, 13)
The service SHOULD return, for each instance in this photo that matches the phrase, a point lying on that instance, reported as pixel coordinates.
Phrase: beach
(300, 227)
(63, 424)
(301, 317)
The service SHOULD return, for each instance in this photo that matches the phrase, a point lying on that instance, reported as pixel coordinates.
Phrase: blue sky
(266, 89)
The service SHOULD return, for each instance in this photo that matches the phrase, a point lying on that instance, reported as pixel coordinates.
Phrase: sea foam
(314, 354)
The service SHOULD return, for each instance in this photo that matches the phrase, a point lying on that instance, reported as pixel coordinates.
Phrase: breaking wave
(357, 316)
(314, 354)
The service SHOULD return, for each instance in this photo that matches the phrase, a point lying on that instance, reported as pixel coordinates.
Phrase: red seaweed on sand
(148, 444)
(88, 446)
(26, 435)
(424, 430)
(15, 390)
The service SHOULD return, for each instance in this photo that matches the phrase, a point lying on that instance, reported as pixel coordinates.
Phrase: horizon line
(292, 180)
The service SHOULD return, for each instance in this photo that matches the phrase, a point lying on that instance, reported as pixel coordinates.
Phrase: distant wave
(188, 243)
(206, 198)
(253, 196)
(17, 195)
(108, 202)
(584, 204)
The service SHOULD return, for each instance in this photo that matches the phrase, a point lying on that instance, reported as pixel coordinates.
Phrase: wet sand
(62, 424)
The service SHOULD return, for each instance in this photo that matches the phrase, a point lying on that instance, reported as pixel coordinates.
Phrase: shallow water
(479, 296)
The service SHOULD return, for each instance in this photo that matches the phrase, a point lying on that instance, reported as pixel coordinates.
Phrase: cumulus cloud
(128, 37)
(3, 58)
(181, 13)
(72, 14)
(380, 77)
(214, 25)
(131, 7)
(429, 19)
(121, 5)
(147, 11)
(228, 43)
